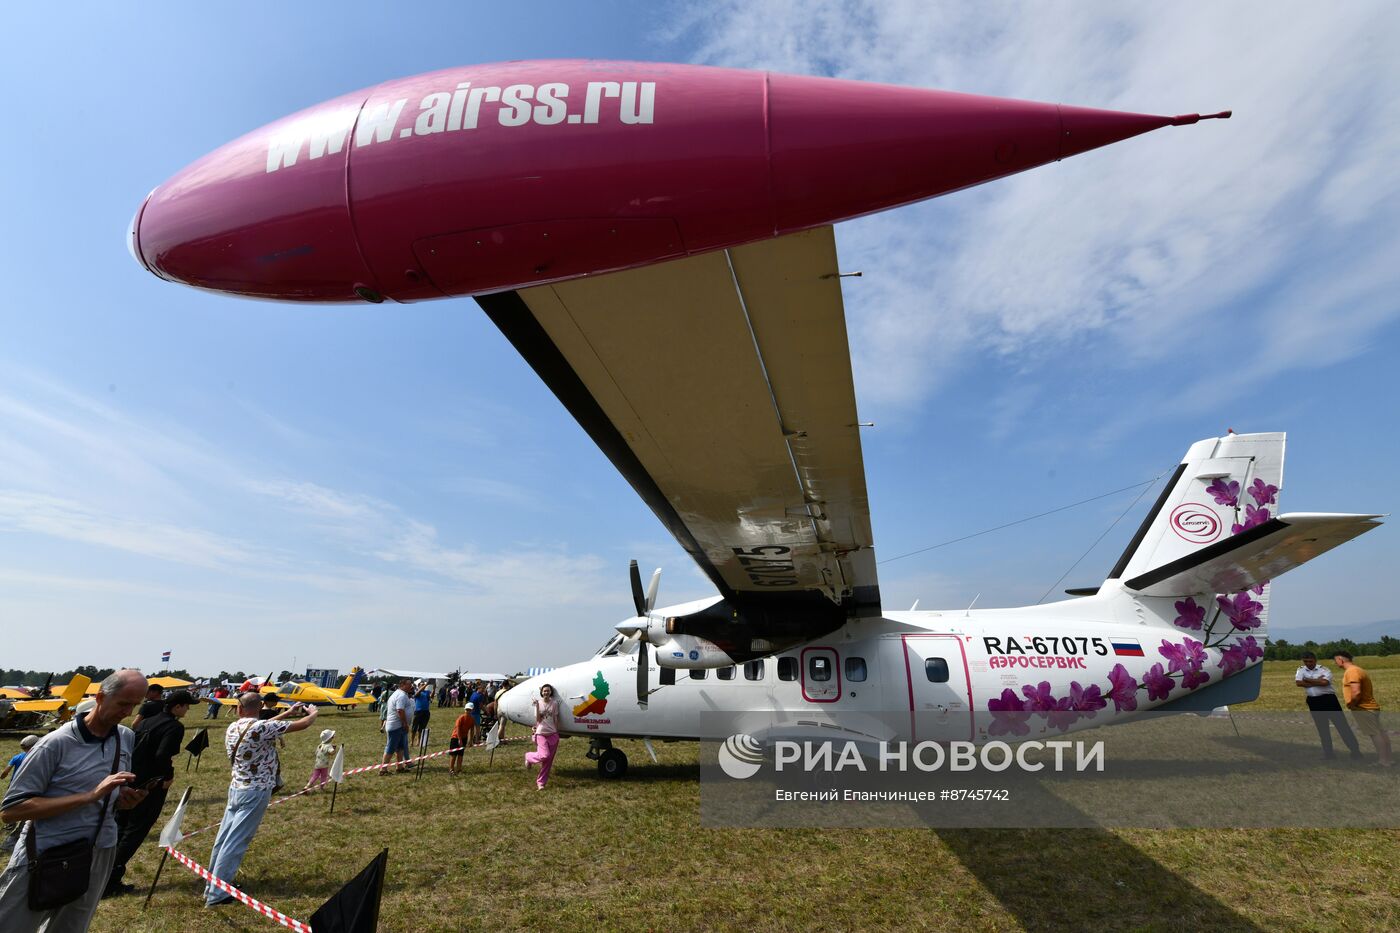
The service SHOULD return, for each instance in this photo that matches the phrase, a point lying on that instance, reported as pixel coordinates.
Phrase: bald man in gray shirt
(61, 791)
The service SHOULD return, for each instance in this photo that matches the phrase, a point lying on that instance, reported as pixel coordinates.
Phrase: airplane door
(821, 675)
(940, 690)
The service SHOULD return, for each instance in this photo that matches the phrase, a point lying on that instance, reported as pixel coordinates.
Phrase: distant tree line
(1283, 650)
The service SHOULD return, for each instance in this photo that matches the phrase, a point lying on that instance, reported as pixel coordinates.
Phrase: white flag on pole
(493, 738)
(338, 766)
(171, 834)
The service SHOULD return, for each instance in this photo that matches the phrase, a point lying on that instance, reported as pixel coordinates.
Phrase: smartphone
(152, 784)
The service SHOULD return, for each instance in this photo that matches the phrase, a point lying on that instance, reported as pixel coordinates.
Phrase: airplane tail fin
(74, 693)
(1215, 538)
(350, 684)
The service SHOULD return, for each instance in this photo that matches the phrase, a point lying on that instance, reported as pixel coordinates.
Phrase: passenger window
(855, 669)
(699, 674)
(936, 670)
(787, 668)
(819, 669)
(753, 670)
(725, 673)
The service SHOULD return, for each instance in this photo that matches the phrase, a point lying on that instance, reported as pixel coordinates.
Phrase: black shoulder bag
(61, 874)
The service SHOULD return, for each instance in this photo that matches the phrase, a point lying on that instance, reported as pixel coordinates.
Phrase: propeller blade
(652, 587)
(638, 598)
(643, 675)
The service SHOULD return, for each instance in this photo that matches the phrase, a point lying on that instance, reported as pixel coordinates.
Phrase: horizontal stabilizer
(1254, 556)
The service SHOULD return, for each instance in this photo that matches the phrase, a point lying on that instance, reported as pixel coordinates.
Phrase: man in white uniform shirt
(1316, 680)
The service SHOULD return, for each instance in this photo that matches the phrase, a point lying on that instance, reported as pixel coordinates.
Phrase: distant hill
(1360, 632)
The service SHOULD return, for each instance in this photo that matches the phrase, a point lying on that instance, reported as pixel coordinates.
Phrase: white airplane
(734, 417)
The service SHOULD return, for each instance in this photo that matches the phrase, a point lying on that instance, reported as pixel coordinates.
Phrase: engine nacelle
(690, 652)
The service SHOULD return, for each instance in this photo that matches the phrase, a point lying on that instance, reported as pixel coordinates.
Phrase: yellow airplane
(57, 708)
(343, 697)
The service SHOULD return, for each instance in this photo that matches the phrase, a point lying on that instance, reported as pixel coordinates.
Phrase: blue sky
(247, 483)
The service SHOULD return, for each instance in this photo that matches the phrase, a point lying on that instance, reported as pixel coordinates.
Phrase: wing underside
(720, 386)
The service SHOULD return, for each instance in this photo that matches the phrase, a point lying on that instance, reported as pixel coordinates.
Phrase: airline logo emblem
(596, 702)
(1196, 523)
(1127, 648)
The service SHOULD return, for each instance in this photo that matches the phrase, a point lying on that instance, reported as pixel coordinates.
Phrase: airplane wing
(40, 706)
(720, 386)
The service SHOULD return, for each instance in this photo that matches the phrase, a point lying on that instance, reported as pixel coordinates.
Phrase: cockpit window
(611, 647)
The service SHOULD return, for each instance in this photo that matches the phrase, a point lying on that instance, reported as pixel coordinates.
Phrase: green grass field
(486, 851)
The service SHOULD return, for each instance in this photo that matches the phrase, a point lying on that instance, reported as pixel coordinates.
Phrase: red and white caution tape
(307, 790)
(268, 912)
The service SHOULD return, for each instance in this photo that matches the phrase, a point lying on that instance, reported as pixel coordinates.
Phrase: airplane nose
(266, 216)
(515, 705)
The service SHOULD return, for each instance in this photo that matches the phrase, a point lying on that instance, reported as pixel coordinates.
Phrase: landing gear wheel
(612, 764)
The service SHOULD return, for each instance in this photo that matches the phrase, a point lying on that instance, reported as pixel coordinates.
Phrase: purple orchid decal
(1251, 648)
(1194, 678)
(1157, 682)
(1086, 699)
(1187, 659)
(1225, 493)
(1038, 698)
(1262, 492)
(1252, 517)
(1122, 688)
(1010, 715)
(1232, 660)
(1063, 714)
(1259, 590)
(1176, 660)
(1188, 614)
(1241, 610)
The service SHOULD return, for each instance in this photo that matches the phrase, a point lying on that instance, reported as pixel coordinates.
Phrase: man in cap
(68, 790)
(158, 740)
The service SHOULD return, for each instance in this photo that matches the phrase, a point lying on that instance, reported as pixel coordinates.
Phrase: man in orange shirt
(1360, 698)
(461, 733)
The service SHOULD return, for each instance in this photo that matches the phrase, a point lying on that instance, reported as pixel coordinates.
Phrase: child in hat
(325, 752)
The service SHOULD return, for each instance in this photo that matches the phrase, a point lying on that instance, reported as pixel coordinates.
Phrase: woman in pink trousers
(546, 734)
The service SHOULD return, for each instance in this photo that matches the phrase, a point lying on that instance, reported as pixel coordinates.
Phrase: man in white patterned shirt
(251, 746)
(1316, 680)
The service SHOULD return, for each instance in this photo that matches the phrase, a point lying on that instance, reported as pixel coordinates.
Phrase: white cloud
(1148, 245)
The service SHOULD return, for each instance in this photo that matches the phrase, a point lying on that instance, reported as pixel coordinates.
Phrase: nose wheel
(612, 762)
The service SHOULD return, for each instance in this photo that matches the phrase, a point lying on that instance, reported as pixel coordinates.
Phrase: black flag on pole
(199, 743)
(355, 907)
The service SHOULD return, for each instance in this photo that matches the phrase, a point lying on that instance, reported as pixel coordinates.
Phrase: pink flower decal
(1188, 614)
(1157, 682)
(1232, 660)
(1259, 590)
(1063, 714)
(1225, 493)
(1009, 715)
(1241, 610)
(1194, 678)
(1251, 648)
(1252, 517)
(1123, 688)
(1038, 698)
(1086, 699)
(1263, 493)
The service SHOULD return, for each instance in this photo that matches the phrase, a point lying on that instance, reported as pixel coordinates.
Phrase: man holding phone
(251, 746)
(159, 738)
(68, 789)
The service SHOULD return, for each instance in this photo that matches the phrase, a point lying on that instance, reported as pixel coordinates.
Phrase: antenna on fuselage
(968, 610)
(915, 606)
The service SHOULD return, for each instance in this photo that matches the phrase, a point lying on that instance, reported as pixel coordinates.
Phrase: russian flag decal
(1127, 648)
